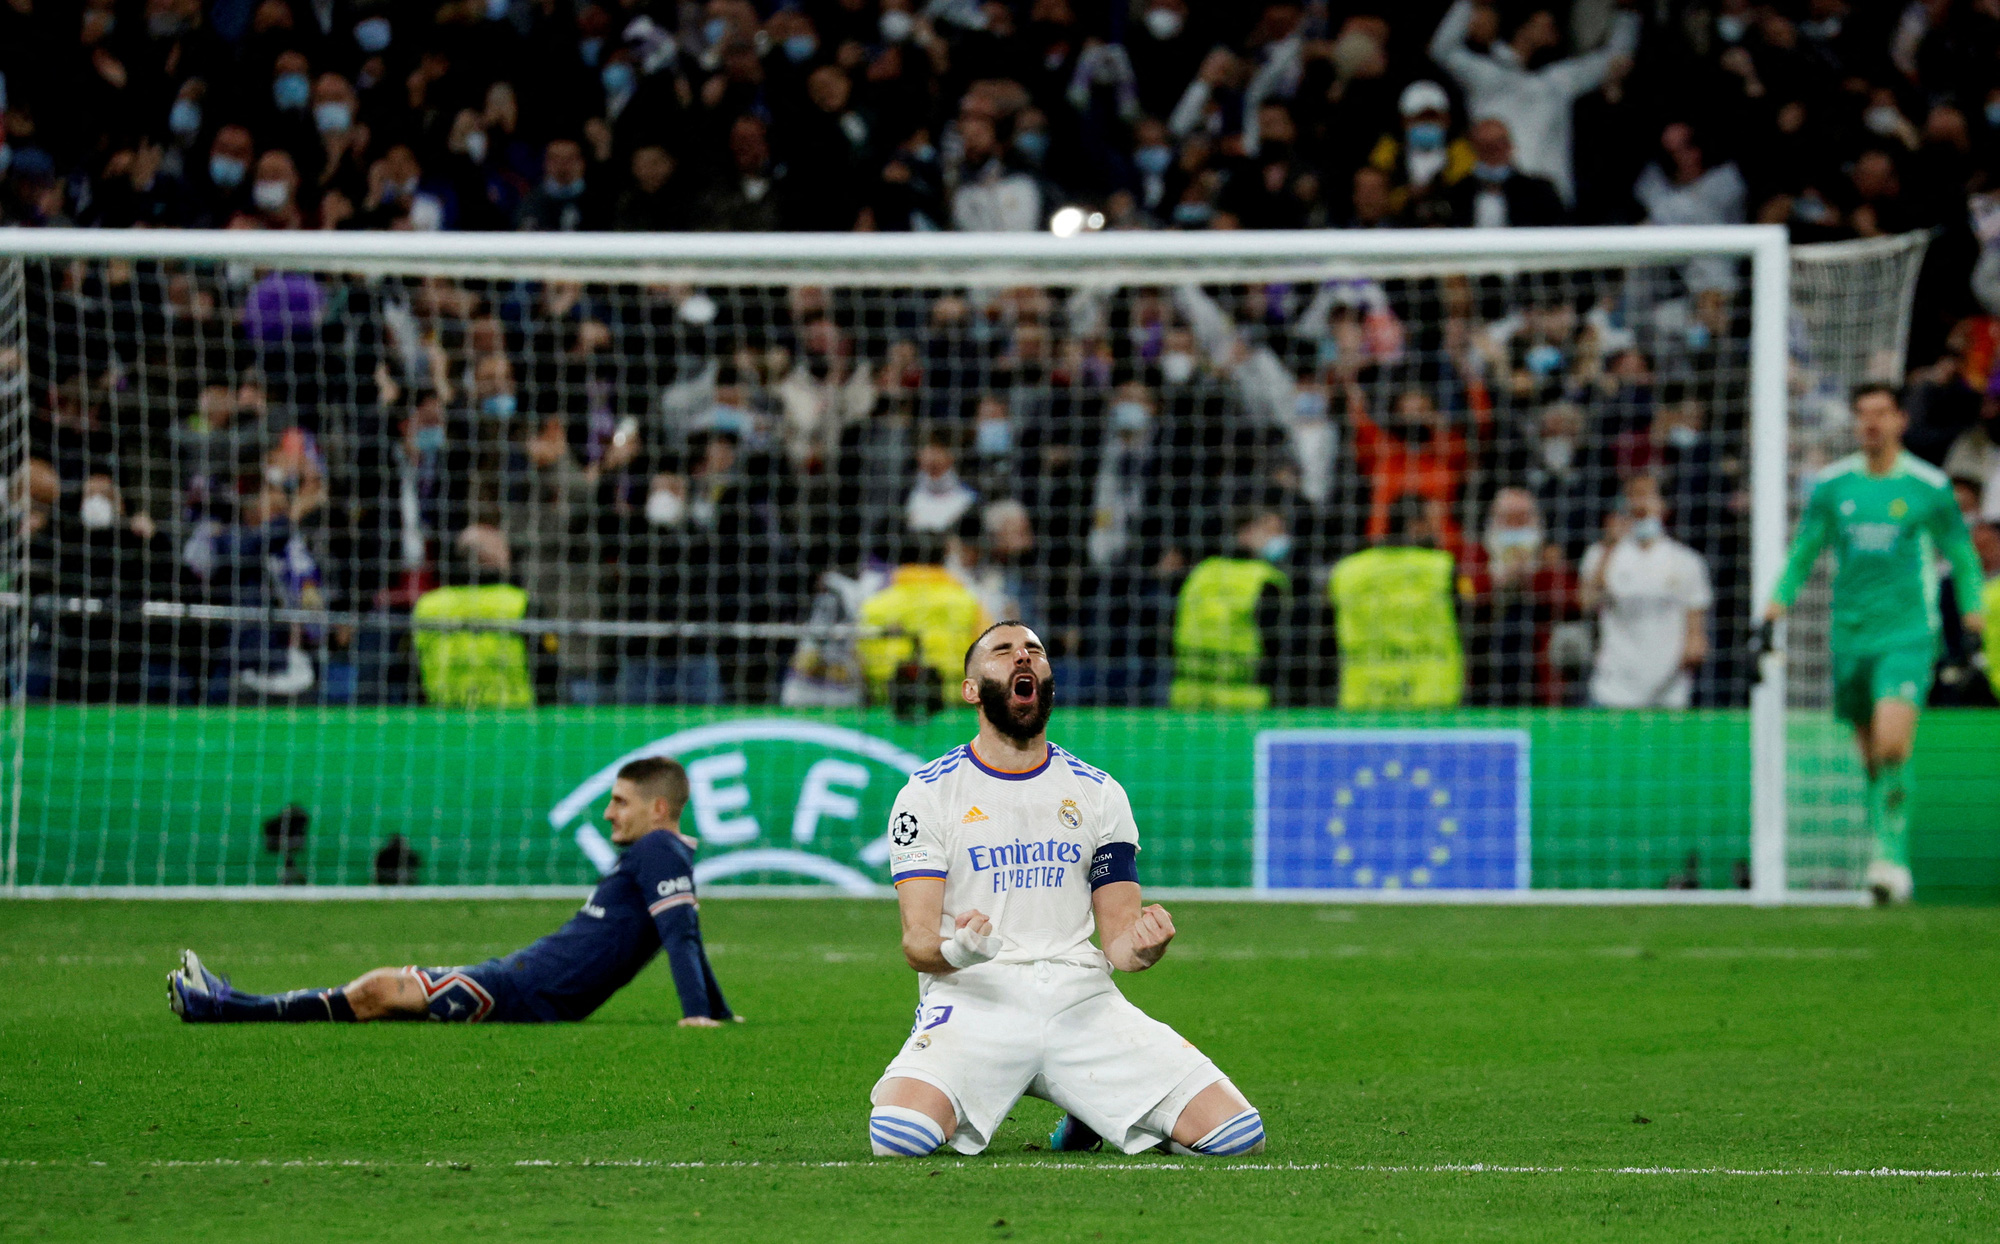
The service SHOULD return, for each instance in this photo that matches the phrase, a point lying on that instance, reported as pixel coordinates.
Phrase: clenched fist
(1150, 934)
(973, 943)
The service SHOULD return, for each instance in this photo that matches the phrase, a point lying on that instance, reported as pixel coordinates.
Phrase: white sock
(1241, 1135)
(900, 1132)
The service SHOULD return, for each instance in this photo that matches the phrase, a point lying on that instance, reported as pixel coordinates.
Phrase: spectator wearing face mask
(1521, 589)
(562, 203)
(219, 187)
(1651, 596)
(285, 118)
(1422, 160)
(1229, 640)
(1125, 477)
(1165, 51)
(274, 195)
(101, 553)
(1155, 179)
(667, 571)
(991, 195)
(1566, 484)
(1415, 451)
(336, 161)
(1497, 194)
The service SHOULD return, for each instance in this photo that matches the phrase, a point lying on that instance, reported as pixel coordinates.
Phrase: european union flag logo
(1392, 809)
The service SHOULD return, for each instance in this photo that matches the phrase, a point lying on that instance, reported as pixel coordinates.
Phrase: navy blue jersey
(643, 906)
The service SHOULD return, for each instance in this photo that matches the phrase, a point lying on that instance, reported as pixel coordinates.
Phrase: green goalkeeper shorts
(1860, 680)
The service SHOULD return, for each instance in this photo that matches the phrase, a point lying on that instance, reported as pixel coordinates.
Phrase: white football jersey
(1016, 846)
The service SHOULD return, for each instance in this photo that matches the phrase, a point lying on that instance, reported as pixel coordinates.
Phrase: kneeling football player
(1003, 851)
(644, 906)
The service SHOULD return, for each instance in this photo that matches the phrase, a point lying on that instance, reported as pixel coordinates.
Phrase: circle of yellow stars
(1392, 771)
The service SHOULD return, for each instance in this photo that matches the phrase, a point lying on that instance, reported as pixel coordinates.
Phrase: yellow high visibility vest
(1398, 627)
(935, 618)
(1217, 646)
(475, 669)
(1989, 603)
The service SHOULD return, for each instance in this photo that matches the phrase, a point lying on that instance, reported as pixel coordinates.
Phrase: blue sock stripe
(896, 1133)
(908, 1126)
(900, 1130)
(900, 1145)
(902, 1148)
(1238, 1141)
(1245, 1128)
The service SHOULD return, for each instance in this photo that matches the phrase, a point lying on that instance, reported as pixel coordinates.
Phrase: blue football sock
(301, 1006)
(900, 1132)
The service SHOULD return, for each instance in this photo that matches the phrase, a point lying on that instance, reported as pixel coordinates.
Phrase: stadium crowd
(735, 462)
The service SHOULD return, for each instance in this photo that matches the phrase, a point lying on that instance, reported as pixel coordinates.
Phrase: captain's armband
(1114, 861)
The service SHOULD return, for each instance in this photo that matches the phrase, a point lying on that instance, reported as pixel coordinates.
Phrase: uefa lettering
(774, 801)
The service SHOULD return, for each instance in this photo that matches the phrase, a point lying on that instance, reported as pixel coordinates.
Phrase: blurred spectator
(1395, 607)
(1497, 194)
(1422, 161)
(1229, 648)
(939, 498)
(1986, 538)
(653, 203)
(1519, 84)
(562, 203)
(472, 668)
(1523, 589)
(1651, 596)
(920, 625)
(744, 197)
(220, 189)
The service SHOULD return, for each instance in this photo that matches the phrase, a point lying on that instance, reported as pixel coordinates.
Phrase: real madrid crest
(1069, 816)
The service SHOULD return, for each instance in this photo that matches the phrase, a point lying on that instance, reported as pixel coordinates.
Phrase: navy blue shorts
(480, 994)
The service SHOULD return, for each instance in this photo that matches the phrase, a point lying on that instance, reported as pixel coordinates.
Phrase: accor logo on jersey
(974, 814)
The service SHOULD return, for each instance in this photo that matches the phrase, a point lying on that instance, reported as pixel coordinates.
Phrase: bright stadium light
(1067, 222)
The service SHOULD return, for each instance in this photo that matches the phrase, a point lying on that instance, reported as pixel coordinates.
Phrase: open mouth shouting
(1020, 706)
(1024, 692)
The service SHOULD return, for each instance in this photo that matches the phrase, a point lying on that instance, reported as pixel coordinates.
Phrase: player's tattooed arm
(922, 904)
(1134, 937)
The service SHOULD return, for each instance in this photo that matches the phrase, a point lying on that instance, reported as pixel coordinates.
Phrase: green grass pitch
(1389, 1049)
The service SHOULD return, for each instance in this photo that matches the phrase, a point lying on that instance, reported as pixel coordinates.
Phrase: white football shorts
(987, 1035)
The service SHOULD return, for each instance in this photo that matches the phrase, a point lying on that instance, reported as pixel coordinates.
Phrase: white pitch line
(1081, 1166)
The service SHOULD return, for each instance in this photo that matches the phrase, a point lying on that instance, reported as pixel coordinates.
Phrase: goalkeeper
(644, 906)
(1887, 515)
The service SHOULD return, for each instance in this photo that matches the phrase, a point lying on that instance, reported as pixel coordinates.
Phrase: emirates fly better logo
(773, 801)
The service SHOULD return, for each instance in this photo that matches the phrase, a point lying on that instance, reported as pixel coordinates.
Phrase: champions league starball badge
(904, 831)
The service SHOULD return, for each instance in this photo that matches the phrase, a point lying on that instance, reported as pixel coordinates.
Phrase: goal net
(1373, 565)
(1850, 325)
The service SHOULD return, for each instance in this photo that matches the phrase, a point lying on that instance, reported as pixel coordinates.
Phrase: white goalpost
(682, 466)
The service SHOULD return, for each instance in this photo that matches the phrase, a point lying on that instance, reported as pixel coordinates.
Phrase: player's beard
(1019, 722)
